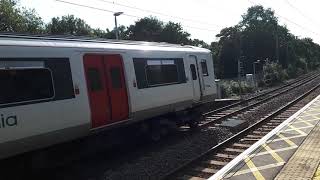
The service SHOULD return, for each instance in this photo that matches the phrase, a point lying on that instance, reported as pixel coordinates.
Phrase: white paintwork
(195, 83)
(42, 118)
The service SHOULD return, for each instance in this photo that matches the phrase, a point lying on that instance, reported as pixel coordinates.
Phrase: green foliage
(68, 25)
(14, 19)
(173, 33)
(258, 36)
(232, 88)
(152, 29)
(273, 74)
(146, 29)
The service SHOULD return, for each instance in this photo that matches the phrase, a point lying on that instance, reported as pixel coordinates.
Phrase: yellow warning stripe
(305, 121)
(269, 166)
(274, 150)
(282, 137)
(273, 154)
(316, 175)
(298, 130)
(253, 169)
(315, 117)
(306, 114)
(305, 127)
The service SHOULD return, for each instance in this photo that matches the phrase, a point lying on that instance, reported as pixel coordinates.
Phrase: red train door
(106, 89)
(116, 87)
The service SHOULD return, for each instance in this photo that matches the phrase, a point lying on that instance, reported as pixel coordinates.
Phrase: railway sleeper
(225, 156)
(253, 140)
(188, 177)
(265, 129)
(260, 132)
(233, 150)
(215, 162)
(206, 170)
(254, 136)
(241, 145)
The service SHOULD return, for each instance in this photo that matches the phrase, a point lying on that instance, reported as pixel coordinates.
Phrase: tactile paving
(303, 164)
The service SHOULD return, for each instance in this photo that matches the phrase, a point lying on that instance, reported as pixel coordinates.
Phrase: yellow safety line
(309, 120)
(281, 139)
(273, 154)
(307, 123)
(274, 150)
(305, 127)
(245, 171)
(315, 117)
(253, 169)
(286, 140)
(298, 130)
(316, 175)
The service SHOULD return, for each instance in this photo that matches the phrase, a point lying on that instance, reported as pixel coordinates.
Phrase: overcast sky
(203, 19)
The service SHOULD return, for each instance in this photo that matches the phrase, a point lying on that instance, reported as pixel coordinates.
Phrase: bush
(231, 88)
(273, 74)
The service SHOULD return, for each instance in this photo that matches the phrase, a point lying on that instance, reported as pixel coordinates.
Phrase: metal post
(116, 24)
(277, 45)
(254, 74)
(239, 77)
(116, 27)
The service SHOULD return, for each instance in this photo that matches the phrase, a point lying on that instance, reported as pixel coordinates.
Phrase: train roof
(91, 43)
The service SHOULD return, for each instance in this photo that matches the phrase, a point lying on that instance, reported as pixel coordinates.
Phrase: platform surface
(293, 152)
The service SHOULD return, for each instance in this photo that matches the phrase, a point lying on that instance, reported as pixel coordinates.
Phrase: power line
(290, 21)
(299, 11)
(125, 14)
(156, 12)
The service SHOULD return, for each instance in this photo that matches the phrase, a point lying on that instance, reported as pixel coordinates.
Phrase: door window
(94, 78)
(193, 71)
(116, 77)
(204, 68)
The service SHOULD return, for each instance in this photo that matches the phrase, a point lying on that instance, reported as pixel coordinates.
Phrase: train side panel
(149, 97)
(33, 123)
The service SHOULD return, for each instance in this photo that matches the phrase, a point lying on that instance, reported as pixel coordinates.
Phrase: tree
(173, 33)
(229, 51)
(69, 25)
(14, 19)
(146, 29)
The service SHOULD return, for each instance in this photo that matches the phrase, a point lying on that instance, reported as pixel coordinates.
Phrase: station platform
(290, 151)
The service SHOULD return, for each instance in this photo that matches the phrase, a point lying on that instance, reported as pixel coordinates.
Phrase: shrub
(273, 74)
(231, 88)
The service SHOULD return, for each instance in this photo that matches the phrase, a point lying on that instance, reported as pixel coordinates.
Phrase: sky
(203, 19)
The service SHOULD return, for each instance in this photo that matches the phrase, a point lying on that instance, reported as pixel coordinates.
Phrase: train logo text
(8, 121)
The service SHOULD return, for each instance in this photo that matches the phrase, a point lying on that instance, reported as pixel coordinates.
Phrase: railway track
(214, 118)
(144, 164)
(208, 163)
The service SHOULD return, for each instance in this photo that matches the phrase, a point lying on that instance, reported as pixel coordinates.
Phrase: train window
(204, 68)
(115, 77)
(152, 72)
(162, 74)
(24, 85)
(94, 78)
(193, 71)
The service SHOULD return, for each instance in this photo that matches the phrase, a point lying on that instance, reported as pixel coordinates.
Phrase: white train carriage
(54, 90)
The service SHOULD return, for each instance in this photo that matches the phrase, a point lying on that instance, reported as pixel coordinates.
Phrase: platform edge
(226, 169)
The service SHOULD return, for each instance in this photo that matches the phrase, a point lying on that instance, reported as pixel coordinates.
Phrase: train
(57, 89)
